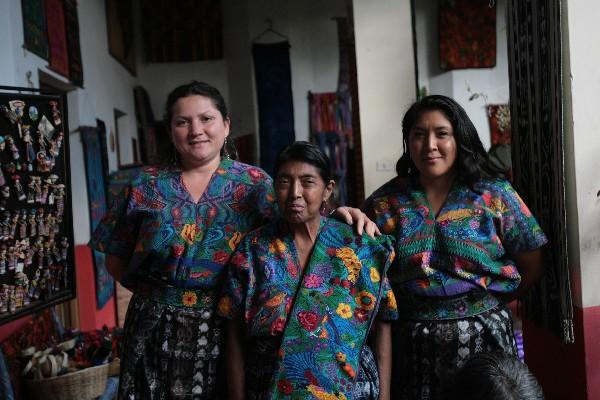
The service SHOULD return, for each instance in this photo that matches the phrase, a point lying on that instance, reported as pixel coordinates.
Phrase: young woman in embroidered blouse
(466, 244)
(168, 237)
(302, 294)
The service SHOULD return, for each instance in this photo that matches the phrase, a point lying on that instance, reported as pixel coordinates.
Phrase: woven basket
(85, 384)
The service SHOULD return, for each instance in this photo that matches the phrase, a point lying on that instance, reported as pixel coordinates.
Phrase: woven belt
(440, 308)
(178, 297)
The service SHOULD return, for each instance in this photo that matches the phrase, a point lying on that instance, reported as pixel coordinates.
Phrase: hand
(354, 216)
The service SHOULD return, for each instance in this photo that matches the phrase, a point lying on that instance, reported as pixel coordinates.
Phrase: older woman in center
(303, 293)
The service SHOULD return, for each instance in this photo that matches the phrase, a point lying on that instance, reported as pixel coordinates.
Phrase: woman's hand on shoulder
(354, 216)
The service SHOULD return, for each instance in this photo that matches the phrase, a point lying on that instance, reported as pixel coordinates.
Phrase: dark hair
(195, 88)
(472, 162)
(304, 152)
(495, 376)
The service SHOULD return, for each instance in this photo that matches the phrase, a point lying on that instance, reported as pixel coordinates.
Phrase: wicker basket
(114, 367)
(85, 384)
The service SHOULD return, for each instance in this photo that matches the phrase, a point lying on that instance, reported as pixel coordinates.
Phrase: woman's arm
(235, 361)
(383, 353)
(529, 264)
(116, 266)
(354, 216)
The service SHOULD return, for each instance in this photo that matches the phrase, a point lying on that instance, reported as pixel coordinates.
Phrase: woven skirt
(169, 352)
(261, 365)
(426, 354)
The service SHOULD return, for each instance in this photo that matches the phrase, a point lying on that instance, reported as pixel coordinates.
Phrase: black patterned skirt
(169, 352)
(261, 365)
(427, 353)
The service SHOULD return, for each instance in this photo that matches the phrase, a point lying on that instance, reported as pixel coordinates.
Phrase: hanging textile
(275, 104)
(95, 167)
(191, 31)
(73, 42)
(467, 34)
(57, 37)
(534, 47)
(330, 116)
(34, 27)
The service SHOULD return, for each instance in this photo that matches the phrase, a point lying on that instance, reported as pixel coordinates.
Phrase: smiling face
(432, 146)
(301, 191)
(198, 130)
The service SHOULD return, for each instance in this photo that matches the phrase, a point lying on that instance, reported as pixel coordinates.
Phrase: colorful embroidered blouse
(467, 246)
(170, 239)
(264, 275)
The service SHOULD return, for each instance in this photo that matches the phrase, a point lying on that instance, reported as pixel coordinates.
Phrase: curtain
(534, 46)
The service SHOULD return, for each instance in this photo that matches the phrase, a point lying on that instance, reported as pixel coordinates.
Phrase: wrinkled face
(432, 145)
(301, 192)
(198, 130)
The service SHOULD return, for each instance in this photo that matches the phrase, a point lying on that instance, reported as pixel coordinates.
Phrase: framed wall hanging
(37, 266)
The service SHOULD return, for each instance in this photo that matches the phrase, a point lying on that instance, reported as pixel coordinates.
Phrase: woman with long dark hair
(466, 244)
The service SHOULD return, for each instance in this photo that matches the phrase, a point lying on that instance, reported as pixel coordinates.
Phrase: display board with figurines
(36, 230)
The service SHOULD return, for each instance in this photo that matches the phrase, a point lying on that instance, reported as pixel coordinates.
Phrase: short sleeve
(117, 232)
(517, 227)
(239, 283)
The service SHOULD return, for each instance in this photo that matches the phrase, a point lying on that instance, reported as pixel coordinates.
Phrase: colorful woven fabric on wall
(467, 34)
(57, 37)
(192, 31)
(34, 27)
(73, 43)
(95, 167)
(275, 104)
(499, 119)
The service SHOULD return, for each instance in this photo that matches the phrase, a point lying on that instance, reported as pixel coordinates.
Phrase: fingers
(371, 229)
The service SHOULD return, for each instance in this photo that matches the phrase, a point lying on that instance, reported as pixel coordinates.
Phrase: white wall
(107, 86)
(582, 121)
(493, 82)
(386, 83)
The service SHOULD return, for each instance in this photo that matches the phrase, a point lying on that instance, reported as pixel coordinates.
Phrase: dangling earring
(225, 151)
(323, 207)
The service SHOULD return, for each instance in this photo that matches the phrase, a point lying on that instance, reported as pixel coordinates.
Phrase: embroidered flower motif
(374, 275)
(321, 394)
(235, 240)
(391, 299)
(361, 314)
(188, 233)
(284, 386)
(189, 299)
(224, 307)
(277, 246)
(178, 250)
(308, 320)
(220, 256)
(313, 281)
(351, 261)
(365, 300)
(344, 310)
(277, 326)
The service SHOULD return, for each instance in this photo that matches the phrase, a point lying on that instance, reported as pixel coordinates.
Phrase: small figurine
(64, 244)
(30, 155)
(2, 259)
(12, 300)
(41, 225)
(12, 258)
(12, 147)
(55, 112)
(23, 224)
(4, 293)
(60, 200)
(32, 223)
(18, 187)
